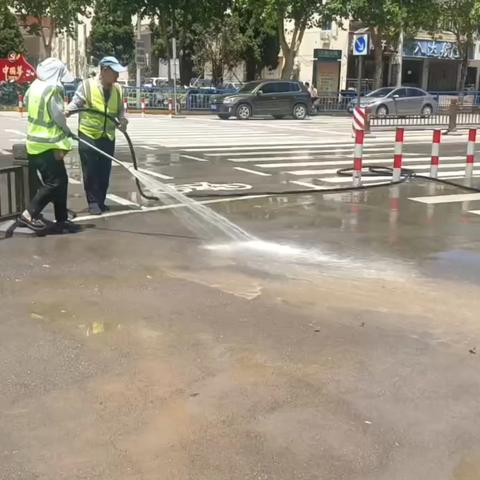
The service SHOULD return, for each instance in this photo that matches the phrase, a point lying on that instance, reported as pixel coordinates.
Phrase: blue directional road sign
(360, 44)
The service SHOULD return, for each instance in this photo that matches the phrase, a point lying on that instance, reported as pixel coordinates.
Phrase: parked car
(71, 88)
(279, 98)
(398, 101)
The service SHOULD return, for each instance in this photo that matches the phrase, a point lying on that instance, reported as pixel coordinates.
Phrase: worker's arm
(55, 109)
(121, 113)
(78, 101)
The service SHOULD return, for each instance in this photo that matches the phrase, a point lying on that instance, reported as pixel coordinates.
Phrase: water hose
(133, 155)
(371, 171)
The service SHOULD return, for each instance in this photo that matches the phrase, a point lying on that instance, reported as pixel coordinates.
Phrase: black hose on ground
(371, 171)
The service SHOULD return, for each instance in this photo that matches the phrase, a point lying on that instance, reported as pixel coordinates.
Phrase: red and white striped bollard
(437, 138)
(398, 154)
(472, 138)
(358, 158)
(142, 104)
(125, 104)
(359, 118)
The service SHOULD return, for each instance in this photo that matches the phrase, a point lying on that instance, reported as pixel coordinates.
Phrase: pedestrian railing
(455, 119)
(467, 101)
(331, 103)
(189, 99)
(12, 192)
(433, 121)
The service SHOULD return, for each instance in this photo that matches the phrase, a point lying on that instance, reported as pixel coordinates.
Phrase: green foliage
(112, 32)
(62, 16)
(11, 38)
(462, 18)
(290, 19)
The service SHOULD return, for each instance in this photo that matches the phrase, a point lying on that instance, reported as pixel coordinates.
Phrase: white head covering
(53, 72)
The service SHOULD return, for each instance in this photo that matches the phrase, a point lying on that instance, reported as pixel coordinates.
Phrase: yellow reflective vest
(43, 133)
(94, 125)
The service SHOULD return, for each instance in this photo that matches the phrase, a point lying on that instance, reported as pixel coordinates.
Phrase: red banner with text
(15, 68)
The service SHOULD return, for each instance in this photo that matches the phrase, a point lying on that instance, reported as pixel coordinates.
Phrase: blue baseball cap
(113, 63)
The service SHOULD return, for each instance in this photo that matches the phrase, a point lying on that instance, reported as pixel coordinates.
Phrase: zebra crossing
(301, 154)
(312, 150)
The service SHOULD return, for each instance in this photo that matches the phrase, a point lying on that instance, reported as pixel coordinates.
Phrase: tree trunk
(378, 58)
(464, 49)
(288, 64)
(290, 51)
(186, 68)
(251, 68)
(47, 38)
(463, 74)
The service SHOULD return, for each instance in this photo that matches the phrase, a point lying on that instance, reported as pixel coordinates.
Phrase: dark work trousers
(54, 188)
(96, 169)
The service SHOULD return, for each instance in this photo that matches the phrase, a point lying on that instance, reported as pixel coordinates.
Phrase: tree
(384, 19)
(462, 18)
(261, 41)
(186, 20)
(47, 17)
(112, 32)
(291, 18)
(220, 44)
(11, 38)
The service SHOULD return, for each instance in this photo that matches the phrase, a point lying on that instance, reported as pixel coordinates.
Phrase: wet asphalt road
(339, 343)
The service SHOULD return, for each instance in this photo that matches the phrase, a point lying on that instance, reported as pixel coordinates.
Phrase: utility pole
(400, 59)
(174, 54)
(139, 68)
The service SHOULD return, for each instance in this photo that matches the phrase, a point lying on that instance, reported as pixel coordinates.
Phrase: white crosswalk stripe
(195, 133)
(308, 153)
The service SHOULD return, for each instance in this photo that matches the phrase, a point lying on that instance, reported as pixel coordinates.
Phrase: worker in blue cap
(104, 95)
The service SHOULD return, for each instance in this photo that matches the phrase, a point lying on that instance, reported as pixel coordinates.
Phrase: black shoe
(35, 224)
(104, 208)
(66, 227)
(94, 209)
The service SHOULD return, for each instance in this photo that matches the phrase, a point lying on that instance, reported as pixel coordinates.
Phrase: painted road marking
(455, 174)
(164, 207)
(309, 185)
(303, 173)
(74, 181)
(301, 153)
(254, 172)
(5, 152)
(367, 162)
(18, 132)
(146, 147)
(121, 200)
(155, 174)
(447, 198)
(198, 159)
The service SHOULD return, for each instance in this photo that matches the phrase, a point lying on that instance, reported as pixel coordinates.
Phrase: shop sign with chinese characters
(15, 68)
(432, 49)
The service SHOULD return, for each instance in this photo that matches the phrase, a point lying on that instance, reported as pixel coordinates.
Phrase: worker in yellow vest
(47, 144)
(104, 95)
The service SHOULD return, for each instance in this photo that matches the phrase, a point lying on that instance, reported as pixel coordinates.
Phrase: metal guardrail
(189, 99)
(455, 119)
(331, 103)
(12, 192)
(433, 121)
